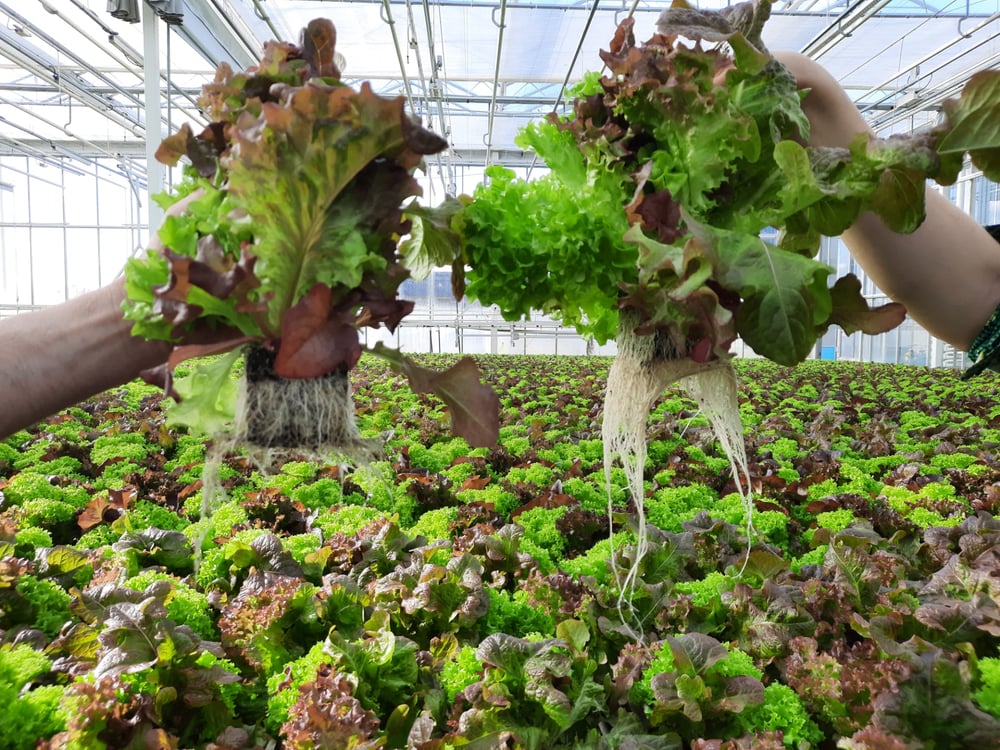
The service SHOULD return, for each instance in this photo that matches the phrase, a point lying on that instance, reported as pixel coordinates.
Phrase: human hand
(202, 337)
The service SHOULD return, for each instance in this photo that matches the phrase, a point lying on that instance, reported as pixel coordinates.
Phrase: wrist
(142, 353)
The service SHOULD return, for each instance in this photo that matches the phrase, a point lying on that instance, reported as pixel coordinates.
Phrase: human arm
(56, 357)
(947, 272)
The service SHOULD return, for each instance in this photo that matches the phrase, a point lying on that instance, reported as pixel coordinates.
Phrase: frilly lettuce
(663, 178)
(288, 238)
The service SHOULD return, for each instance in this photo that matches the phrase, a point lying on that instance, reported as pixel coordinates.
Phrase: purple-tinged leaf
(474, 406)
(740, 691)
(315, 341)
(852, 313)
(128, 641)
(696, 652)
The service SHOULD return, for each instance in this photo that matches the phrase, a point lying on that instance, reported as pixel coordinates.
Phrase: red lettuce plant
(288, 242)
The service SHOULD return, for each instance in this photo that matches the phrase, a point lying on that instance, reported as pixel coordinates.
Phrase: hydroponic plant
(430, 612)
(648, 227)
(286, 247)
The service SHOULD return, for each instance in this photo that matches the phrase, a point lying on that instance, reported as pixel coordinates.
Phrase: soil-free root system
(314, 415)
(642, 369)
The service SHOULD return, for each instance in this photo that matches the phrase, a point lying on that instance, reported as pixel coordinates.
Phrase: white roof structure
(74, 73)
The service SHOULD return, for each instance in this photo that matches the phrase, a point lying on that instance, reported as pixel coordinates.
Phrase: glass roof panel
(72, 73)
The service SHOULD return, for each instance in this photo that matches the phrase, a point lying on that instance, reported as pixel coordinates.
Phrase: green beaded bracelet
(985, 350)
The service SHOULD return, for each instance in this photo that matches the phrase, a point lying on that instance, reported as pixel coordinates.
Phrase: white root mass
(278, 419)
(641, 371)
(314, 415)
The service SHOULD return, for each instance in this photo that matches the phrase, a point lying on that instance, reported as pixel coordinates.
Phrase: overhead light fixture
(125, 10)
(845, 25)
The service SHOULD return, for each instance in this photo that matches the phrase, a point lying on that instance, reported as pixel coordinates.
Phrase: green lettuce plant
(30, 710)
(663, 177)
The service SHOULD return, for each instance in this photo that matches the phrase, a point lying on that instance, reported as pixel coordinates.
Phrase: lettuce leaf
(207, 399)
(973, 124)
(686, 154)
(541, 245)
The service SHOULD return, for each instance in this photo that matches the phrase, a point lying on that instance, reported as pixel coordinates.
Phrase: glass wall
(64, 229)
(68, 229)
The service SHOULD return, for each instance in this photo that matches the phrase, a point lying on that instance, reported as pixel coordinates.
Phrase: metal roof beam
(919, 10)
(45, 67)
(846, 24)
(121, 149)
(236, 39)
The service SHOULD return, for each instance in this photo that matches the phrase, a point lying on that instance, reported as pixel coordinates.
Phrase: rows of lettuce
(448, 595)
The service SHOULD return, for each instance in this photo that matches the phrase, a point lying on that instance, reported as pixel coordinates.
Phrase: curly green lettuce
(662, 180)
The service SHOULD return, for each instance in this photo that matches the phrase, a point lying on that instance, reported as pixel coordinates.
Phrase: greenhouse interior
(90, 88)
(499, 375)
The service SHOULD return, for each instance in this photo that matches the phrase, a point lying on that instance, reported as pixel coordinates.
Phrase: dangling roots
(715, 392)
(640, 372)
(309, 419)
(276, 416)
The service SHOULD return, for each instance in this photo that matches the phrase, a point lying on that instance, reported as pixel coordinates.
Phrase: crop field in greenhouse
(446, 596)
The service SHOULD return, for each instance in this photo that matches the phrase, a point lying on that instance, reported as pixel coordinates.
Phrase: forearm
(947, 273)
(56, 357)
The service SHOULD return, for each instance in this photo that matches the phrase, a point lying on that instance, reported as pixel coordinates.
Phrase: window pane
(83, 269)
(47, 253)
(116, 248)
(81, 200)
(45, 198)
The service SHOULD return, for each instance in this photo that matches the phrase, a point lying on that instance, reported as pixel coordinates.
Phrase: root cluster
(642, 369)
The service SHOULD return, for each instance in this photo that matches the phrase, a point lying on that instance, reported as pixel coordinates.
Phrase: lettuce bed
(452, 596)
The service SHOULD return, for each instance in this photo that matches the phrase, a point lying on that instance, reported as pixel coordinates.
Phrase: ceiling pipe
(232, 16)
(21, 21)
(86, 11)
(156, 174)
(34, 60)
(655, 8)
(130, 54)
(579, 47)
(38, 154)
(399, 54)
(38, 147)
(576, 55)
(496, 80)
(542, 102)
(415, 46)
(130, 59)
(931, 55)
(263, 15)
(437, 63)
(949, 88)
(62, 128)
(214, 35)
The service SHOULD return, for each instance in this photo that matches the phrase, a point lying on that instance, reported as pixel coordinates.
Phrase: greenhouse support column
(936, 349)
(154, 134)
